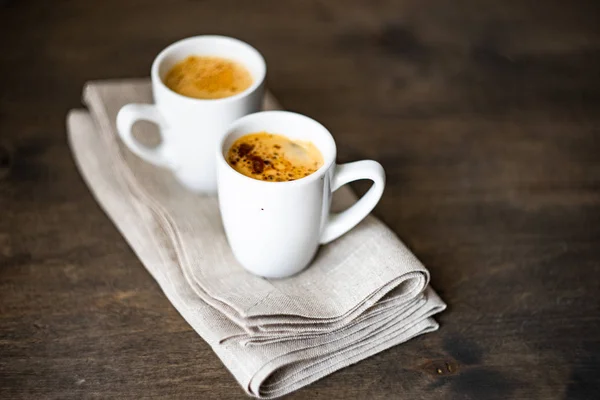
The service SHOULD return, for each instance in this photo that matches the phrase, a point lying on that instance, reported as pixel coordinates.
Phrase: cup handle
(340, 223)
(129, 115)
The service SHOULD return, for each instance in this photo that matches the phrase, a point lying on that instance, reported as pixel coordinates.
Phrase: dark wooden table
(485, 115)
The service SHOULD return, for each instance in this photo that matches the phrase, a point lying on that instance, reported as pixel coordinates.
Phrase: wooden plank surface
(485, 115)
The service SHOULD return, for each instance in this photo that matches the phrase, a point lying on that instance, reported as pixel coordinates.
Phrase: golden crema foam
(208, 78)
(274, 158)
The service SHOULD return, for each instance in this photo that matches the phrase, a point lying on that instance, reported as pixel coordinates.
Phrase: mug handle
(129, 115)
(340, 223)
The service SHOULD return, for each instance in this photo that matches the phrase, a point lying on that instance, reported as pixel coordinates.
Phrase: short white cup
(275, 228)
(191, 128)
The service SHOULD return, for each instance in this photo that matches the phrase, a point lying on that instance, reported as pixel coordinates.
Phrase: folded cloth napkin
(363, 293)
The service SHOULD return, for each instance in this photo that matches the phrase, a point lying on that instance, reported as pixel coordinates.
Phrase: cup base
(277, 270)
(196, 184)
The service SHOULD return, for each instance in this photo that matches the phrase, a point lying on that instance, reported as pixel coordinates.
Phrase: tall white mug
(191, 128)
(275, 228)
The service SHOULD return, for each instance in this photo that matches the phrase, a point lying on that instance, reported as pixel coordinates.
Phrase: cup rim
(329, 159)
(164, 52)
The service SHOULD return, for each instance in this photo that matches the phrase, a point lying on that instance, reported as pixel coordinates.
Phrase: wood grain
(484, 114)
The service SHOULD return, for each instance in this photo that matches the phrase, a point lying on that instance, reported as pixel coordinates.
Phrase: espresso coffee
(275, 158)
(203, 77)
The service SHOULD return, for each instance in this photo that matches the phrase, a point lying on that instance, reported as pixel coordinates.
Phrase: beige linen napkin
(364, 292)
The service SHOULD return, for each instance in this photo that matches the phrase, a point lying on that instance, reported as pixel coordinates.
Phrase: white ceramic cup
(275, 228)
(191, 128)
